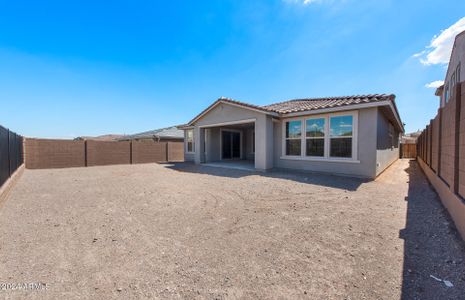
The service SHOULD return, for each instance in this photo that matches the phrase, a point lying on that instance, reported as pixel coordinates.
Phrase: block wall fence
(11, 154)
(49, 153)
(441, 155)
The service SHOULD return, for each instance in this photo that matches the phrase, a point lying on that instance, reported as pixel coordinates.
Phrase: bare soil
(184, 231)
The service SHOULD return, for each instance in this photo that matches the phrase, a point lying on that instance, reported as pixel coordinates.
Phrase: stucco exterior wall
(213, 151)
(366, 167)
(248, 142)
(264, 146)
(224, 113)
(387, 150)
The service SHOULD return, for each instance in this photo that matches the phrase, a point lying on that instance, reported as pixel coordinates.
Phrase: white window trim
(327, 157)
(302, 130)
(193, 142)
(325, 139)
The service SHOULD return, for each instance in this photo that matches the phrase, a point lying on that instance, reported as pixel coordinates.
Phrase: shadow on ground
(432, 245)
(333, 181)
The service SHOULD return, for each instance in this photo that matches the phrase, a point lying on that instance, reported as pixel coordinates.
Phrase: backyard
(186, 231)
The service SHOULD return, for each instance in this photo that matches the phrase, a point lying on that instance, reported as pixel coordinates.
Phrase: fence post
(130, 152)
(457, 95)
(9, 154)
(85, 153)
(423, 145)
(431, 143)
(167, 151)
(439, 141)
(427, 145)
(419, 146)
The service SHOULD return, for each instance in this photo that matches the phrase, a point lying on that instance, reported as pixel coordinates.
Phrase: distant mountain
(105, 137)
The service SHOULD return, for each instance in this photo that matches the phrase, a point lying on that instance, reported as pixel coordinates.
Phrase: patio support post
(199, 141)
(264, 143)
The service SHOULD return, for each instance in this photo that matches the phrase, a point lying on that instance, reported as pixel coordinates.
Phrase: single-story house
(168, 134)
(353, 135)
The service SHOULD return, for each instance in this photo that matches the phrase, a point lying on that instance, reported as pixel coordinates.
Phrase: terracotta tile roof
(308, 104)
(229, 100)
(303, 105)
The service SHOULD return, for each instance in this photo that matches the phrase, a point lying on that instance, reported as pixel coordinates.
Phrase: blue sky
(70, 68)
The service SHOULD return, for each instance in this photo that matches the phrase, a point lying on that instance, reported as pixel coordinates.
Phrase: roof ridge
(332, 98)
(243, 103)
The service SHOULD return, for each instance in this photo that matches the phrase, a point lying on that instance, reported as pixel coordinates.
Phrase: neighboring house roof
(285, 108)
(408, 140)
(414, 134)
(163, 133)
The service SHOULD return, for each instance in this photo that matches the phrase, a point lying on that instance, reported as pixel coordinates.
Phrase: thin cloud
(304, 2)
(434, 84)
(440, 48)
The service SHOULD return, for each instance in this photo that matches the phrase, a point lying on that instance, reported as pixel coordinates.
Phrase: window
(457, 71)
(341, 136)
(391, 135)
(293, 138)
(315, 137)
(321, 137)
(190, 140)
(446, 92)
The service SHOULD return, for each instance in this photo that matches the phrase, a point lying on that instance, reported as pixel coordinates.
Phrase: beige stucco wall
(387, 151)
(227, 113)
(367, 119)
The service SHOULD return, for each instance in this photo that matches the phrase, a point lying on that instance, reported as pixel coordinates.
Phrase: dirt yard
(183, 231)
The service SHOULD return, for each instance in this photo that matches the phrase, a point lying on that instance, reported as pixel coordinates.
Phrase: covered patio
(230, 145)
(231, 131)
(245, 165)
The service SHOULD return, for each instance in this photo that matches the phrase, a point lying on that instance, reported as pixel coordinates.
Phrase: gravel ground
(185, 231)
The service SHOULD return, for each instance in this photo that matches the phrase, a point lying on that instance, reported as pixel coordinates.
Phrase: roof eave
(389, 103)
(439, 90)
(235, 103)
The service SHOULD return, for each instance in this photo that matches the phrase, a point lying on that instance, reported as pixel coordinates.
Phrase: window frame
(325, 148)
(446, 92)
(327, 138)
(391, 134)
(193, 141)
(341, 137)
(302, 130)
(457, 71)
